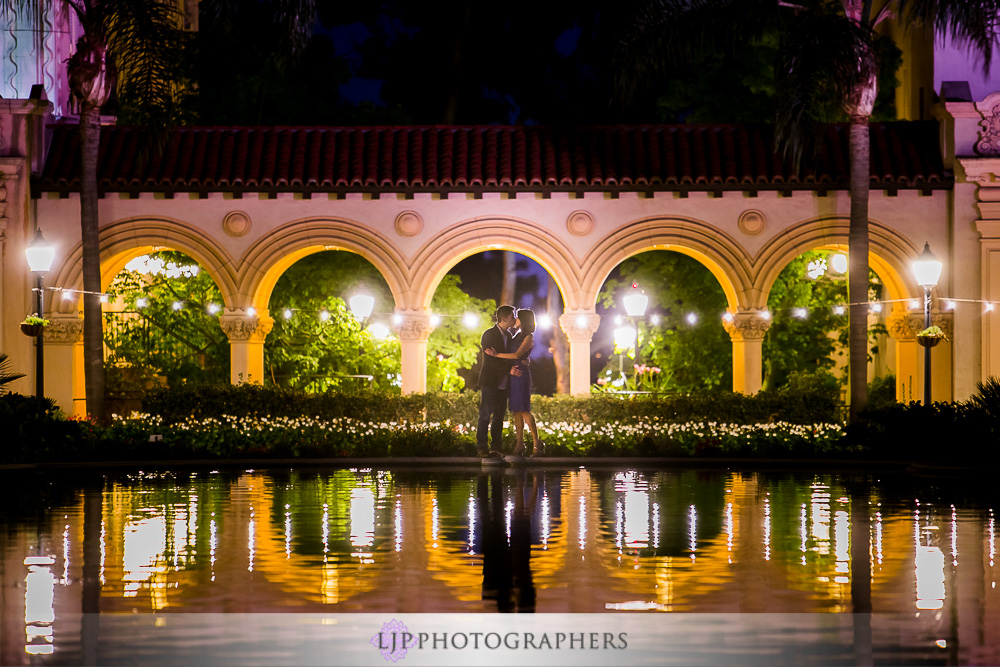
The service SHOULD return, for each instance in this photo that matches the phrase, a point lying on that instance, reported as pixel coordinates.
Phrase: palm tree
(6, 374)
(826, 53)
(129, 49)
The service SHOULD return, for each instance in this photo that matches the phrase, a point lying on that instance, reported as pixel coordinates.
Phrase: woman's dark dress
(520, 387)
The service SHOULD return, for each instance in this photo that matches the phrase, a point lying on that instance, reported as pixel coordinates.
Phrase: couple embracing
(506, 375)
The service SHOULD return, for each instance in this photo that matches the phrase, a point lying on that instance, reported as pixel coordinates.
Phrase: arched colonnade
(246, 281)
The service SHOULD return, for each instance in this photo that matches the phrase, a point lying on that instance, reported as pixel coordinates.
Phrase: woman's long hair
(527, 320)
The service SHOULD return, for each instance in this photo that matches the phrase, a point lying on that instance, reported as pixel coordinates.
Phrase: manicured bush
(35, 430)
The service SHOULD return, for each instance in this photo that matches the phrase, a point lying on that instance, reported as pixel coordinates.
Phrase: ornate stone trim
(904, 327)
(746, 325)
(409, 223)
(580, 223)
(240, 327)
(414, 327)
(237, 223)
(580, 325)
(989, 141)
(752, 222)
(64, 330)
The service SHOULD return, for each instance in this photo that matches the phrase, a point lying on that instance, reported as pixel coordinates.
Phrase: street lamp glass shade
(635, 302)
(839, 262)
(927, 268)
(40, 254)
(624, 337)
(362, 305)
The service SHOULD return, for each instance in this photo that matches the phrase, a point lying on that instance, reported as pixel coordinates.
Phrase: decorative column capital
(413, 325)
(746, 325)
(63, 330)
(242, 327)
(580, 325)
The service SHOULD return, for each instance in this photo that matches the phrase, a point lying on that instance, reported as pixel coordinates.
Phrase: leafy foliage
(6, 374)
(691, 357)
(453, 346)
(167, 328)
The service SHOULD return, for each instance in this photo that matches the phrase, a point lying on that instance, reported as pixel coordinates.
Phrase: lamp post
(635, 302)
(927, 269)
(40, 255)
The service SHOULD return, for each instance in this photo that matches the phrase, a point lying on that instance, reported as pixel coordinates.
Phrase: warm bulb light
(470, 320)
(213, 309)
(177, 305)
(435, 320)
(544, 322)
(288, 313)
(692, 318)
(800, 313)
(251, 311)
(839, 262)
(324, 315)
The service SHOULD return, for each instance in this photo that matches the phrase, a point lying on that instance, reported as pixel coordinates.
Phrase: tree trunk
(509, 278)
(857, 273)
(93, 323)
(560, 349)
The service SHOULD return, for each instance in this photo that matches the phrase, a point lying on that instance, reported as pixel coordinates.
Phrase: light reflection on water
(515, 540)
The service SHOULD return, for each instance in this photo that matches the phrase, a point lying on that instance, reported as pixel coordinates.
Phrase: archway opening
(161, 323)
(465, 303)
(332, 312)
(807, 341)
(678, 343)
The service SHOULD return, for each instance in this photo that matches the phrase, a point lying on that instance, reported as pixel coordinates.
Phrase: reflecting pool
(461, 540)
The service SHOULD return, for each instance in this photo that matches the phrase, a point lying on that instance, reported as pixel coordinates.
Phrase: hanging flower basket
(930, 336)
(33, 326)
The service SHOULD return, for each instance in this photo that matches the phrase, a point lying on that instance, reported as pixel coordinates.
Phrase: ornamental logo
(393, 640)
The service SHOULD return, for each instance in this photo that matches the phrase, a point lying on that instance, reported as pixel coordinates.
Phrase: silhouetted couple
(506, 375)
(507, 576)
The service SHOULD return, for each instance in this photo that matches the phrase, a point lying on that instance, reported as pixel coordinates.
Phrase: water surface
(520, 540)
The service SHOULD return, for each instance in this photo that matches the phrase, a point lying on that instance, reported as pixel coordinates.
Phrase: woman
(520, 386)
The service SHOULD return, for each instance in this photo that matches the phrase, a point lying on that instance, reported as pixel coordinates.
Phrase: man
(493, 384)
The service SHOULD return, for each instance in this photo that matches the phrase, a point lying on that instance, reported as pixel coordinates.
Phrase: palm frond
(974, 23)
(664, 34)
(824, 58)
(6, 374)
(144, 42)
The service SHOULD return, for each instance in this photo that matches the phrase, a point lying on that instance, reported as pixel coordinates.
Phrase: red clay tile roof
(645, 158)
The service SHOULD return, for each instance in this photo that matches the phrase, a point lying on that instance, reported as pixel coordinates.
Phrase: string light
(177, 305)
(544, 321)
(618, 320)
(692, 319)
(913, 304)
(949, 305)
(728, 317)
(654, 319)
(251, 311)
(288, 313)
(989, 307)
(470, 320)
(838, 310)
(397, 319)
(800, 313)
(435, 320)
(875, 307)
(141, 302)
(766, 314)
(324, 315)
(213, 309)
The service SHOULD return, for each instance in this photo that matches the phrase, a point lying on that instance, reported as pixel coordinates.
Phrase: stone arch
(264, 263)
(469, 237)
(124, 240)
(713, 248)
(888, 254)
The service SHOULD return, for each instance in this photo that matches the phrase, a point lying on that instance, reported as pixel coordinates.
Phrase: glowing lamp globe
(624, 337)
(839, 262)
(927, 268)
(40, 254)
(635, 301)
(362, 306)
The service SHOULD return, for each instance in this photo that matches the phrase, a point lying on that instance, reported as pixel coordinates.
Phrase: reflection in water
(512, 540)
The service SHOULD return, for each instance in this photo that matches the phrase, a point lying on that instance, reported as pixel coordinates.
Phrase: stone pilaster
(746, 328)
(579, 326)
(246, 333)
(414, 328)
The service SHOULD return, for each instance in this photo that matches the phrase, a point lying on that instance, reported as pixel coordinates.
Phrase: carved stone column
(746, 329)
(414, 328)
(246, 333)
(985, 173)
(579, 326)
(64, 363)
